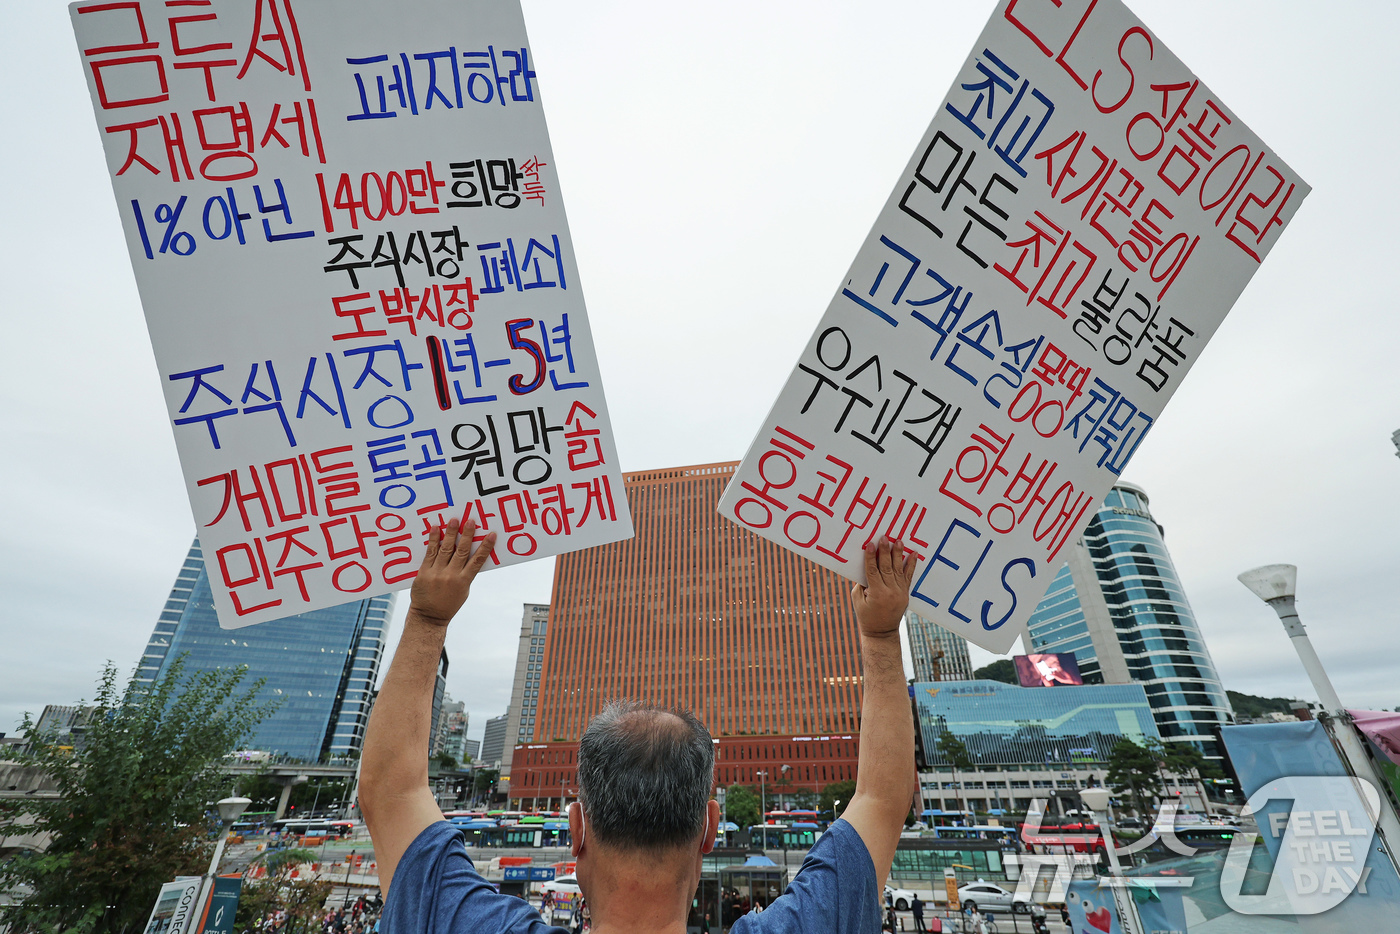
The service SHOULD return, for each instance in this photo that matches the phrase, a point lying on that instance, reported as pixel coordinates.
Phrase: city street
(1006, 923)
(989, 491)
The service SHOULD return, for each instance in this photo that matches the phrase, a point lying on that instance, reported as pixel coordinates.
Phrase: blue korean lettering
(1111, 421)
(308, 393)
(198, 376)
(179, 242)
(433, 90)
(914, 263)
(997, 83)
(397, 86)
(233, 218)
(269, 403)
(465, 348)
(280, 207)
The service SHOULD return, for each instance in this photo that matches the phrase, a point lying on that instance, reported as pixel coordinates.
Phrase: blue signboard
(1335, 878)
(541, 873)
(223, 905)
(517, 873)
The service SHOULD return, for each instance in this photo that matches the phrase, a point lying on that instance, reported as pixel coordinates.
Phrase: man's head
(645, 775)
(644, 816)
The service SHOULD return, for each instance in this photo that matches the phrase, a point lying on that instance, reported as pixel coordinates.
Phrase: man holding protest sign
(645, 817)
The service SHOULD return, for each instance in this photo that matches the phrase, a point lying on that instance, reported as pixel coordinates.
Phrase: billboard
(1047, 670)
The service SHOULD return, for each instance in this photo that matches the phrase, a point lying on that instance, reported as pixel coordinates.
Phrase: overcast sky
(721, 163)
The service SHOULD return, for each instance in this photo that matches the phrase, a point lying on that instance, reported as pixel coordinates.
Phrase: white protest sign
(1070, 231)
(357, 275)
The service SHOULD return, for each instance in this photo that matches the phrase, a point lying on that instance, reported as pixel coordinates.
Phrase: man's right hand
(885, 779)
(446, 574)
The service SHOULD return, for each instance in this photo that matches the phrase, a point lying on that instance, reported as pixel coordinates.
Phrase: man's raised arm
(885, 779)
(394, 793)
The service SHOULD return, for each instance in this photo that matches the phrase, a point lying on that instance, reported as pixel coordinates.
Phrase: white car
(985, 896)
(565, 885)
(900, 898)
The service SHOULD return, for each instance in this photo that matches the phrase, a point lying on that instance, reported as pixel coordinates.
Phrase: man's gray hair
(645, 775)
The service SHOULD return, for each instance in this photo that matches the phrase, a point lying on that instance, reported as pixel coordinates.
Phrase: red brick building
(697, 612)
(543, 774)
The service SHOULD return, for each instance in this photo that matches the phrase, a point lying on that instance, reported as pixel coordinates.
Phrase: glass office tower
(493, 743)
(1118, 605)
(938, 655)
(322, 663)
(525, 691)
(1002, 724)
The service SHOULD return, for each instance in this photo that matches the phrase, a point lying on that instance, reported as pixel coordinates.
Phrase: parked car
(987, 896)
(566, 885)
(900, 898)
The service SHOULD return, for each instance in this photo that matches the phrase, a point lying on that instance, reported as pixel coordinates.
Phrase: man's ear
(576, 828)
(712, 816)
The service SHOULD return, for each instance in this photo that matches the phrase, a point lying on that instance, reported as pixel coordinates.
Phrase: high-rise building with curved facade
(1118, 605)
(321, 665)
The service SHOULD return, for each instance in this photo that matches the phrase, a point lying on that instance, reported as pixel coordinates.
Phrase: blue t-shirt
(834, 891)
(436, 890)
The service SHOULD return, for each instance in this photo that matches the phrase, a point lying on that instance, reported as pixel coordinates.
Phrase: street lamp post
(1276, 585)
(230, 809)
(1096, 800)
(763, 805)
(349, 862)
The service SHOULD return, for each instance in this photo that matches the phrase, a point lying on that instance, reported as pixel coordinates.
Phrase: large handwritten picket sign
(1070, 231)
(357, 275)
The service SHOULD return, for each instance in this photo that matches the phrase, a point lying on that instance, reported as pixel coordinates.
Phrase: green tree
(1187, 761)
(262, 791)
(318, 794)
(1000, 670)
(1136, 771)
(1184, 760)
(1251, 705)
(302, 899)
(955, 752)
(133, 809)
(836, 791)
(741, 805)
(257, 900)
(447, 761)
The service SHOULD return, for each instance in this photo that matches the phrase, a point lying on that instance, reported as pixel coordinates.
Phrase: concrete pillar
(286, 781)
